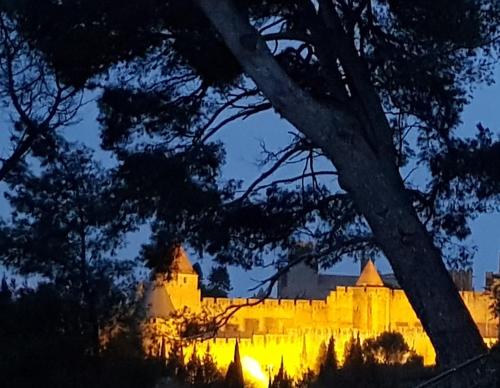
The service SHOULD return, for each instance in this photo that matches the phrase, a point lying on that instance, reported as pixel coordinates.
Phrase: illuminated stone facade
(295, 328)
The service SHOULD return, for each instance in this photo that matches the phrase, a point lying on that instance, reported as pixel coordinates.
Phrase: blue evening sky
(242, 140)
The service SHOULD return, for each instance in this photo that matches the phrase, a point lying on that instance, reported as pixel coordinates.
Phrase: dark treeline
(47, 341)
(382, 362)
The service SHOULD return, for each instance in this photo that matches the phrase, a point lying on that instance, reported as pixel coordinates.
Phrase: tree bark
(371, 177)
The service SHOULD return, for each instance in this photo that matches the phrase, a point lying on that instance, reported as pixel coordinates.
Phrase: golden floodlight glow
(252, 369)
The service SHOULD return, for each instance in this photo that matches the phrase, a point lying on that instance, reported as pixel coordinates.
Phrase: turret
(157, 302)
(369, 276)
(175, 290)
(182, 284)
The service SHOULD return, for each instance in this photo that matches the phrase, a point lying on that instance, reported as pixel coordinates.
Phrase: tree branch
(244, 113)
(313, 118)
(287, 35)
(39, 100)
(269, 172)
(296, 178)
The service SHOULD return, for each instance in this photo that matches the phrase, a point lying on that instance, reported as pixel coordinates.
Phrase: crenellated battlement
(295, 328)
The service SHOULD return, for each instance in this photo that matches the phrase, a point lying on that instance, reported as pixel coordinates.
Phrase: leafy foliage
(384, 361)
(173, 84)
(203, 372)
(353, 357)
(65, 228)
(388, 348)
(234, 374)
(34, 101)
(168, 84)
(219, 283)
(495, 297)
(281, 379)
(44, 343)
(329, 366)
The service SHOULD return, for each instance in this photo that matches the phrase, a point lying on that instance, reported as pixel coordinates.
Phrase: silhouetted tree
(306, 380)
(399, 70)
(282, 380)
(176, 366)
(353, 354)
(211, 373)
(494, 290)
(328, 369)
(387, 348)
(35, 103)
(44, 344)
(234, 374)
(194, 373)
(199, 272)
(197, 372)
(219, 283)
(66, 228)
(160, 254)
(321, 356)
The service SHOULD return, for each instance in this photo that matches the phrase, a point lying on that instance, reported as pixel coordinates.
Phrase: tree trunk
(372, 178)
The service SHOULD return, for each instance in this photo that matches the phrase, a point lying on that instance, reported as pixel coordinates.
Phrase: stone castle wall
(296, 328)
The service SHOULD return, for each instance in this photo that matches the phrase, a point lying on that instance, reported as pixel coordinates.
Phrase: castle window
(185, 280)
(231, 329)
(251, 325)
(270, 325)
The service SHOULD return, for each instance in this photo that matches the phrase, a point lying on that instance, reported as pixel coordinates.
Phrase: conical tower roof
(181, 262)
(157, 301)
(369, 276)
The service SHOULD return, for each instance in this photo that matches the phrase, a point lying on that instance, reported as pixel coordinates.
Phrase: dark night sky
(242, 140)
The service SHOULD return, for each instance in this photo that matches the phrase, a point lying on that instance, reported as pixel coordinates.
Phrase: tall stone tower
(169, 293)
(176, 290)
(183, 285)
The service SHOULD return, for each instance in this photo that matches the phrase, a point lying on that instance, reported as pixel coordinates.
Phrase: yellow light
(252, 370)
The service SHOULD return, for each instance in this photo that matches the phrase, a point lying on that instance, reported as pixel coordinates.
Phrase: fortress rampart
(295, 329)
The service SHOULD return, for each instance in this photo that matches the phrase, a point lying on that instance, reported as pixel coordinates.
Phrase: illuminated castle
(294, 328)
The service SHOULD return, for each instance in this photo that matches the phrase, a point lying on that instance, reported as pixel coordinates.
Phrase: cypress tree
(328, 369)
(234, 375)
(281, 380)
(353, 354)
(211, 373)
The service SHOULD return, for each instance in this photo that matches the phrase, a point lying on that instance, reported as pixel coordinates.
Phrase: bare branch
(287, 35)
(292, 151)
(229, 103)
(243, 114)
(295, 178)
(272, 24)
(40, 103)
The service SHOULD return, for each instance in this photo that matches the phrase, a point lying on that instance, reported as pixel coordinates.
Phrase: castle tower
(181, 263)
(175, 290)
(369, 276)
(182, 283)
(157, 301)
(370, 307)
